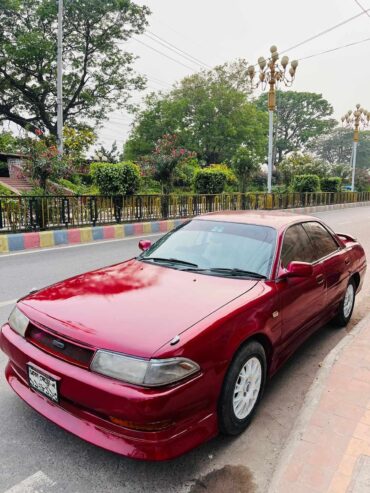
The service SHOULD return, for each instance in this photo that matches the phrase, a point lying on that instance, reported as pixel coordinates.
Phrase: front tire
(242, 389)
(346, 306)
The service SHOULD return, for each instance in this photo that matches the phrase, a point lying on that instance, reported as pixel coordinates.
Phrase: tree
(362, 180)
(302, 164)
(43, 162)
(336, 147)
(98, 75)
(233, 74)
(209, 116)
(9, 143)
(109, 155)
(166, 159)
(300, 117)
(76, 143)
(245, 163)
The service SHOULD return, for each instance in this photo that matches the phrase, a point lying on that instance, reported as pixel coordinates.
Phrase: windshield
(225, 248)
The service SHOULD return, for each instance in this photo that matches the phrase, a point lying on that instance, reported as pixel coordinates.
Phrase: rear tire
(242, 389)
(346, 306)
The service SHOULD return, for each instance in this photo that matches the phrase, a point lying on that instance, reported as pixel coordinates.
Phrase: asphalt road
(37, 456)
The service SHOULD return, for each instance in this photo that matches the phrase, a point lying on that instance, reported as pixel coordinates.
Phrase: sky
(216, 31)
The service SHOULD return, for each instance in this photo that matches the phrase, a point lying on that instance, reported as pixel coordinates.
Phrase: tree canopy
(98, 74)
(209, 115)
(336, 147)
(300, 117)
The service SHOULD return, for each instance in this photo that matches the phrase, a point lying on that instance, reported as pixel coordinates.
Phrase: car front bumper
(87, 400)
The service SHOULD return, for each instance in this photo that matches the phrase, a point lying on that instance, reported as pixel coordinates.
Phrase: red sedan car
(153, 356)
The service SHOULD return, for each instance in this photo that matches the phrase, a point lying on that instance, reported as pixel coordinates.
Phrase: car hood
(133, 307)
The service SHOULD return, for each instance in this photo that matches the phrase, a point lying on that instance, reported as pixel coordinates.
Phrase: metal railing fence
(31, 213)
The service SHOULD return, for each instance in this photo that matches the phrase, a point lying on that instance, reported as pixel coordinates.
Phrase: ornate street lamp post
(272, 72)
(357, 119)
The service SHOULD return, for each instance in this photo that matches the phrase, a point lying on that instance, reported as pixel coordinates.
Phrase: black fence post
(93, 210)
(34, 211)
(1, 215)
(65, 213)
(164, 206)
(117, 203)
(138, 207)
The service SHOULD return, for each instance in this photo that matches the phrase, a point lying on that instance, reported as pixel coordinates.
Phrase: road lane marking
(37, 483)
(79, 245)
(7, 303)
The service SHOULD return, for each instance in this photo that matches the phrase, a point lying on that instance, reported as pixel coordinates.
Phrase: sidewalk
(328, 450)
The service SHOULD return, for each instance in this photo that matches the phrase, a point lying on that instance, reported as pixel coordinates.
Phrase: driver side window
(296, 246)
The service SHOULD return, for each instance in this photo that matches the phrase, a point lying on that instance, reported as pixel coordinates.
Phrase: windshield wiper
(237, 272)
(168, 260)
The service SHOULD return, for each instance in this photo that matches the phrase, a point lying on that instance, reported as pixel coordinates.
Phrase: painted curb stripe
(4, 248)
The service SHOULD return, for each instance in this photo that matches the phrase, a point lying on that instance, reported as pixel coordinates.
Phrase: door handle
(347, 261)
(320, 279)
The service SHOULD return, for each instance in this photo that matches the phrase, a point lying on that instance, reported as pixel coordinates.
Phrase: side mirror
(298, 269)
(144, 244)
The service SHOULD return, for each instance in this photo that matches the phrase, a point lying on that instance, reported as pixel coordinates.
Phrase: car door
(335, 260)
(301, 299)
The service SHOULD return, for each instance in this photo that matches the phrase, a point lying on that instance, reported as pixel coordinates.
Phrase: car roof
(273, 219)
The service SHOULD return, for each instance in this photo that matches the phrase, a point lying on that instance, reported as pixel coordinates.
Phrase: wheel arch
(357, 279)
(265, 342)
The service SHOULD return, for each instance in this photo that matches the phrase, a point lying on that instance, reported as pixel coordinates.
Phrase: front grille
(58, 347)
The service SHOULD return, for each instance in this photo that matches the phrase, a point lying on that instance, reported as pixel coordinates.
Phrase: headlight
(148, 373)
(18, 321)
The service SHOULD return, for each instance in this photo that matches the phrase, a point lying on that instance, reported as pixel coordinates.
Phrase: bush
(332, 184)
(306, 183)
(210, 181)
(231, 179)
(116, 179)
(79, 188)
(5, 190)
(149, 186)
(185, 172)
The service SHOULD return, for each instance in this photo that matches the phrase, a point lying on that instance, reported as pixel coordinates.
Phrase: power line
(185, 38)
(177, 50)
(163, 54)
(335, 49)
(362, 8)
(327, 30)
(158, 81)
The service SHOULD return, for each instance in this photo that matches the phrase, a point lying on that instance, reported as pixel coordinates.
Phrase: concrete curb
(48, 239)
(323, 208)
(14, 242)
(311, 401)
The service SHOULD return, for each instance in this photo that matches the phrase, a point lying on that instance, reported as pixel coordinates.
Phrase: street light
(60, 80)
(272, 72)
(355, 119)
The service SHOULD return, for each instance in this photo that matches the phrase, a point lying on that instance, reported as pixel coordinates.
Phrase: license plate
(43, 383)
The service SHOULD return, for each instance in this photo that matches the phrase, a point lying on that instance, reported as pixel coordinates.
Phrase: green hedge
(306, 183)
(116, 179)
(5, 190)
(332, 184)
(210, 181)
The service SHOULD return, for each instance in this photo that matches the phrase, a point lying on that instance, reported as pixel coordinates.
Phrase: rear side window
(296, 246)
(323, 242)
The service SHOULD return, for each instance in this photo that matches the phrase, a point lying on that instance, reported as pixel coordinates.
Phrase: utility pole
(271, 72)
(60, 79)
(356, 119)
